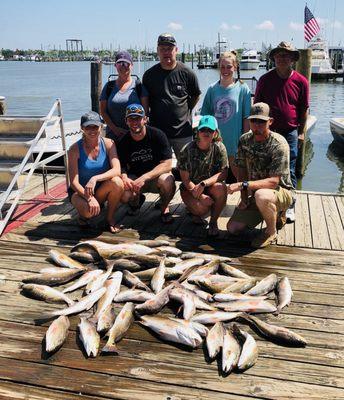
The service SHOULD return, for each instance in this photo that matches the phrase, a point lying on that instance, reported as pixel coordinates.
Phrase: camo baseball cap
(260, 111)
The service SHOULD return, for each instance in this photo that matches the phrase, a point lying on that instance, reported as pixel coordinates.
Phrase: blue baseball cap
(123, 56)
(207, 121)
(91, 118)
(134, 110)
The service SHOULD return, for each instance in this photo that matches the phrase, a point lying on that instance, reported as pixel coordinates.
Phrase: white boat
(337, 130)
(249, 60)
(321, 62)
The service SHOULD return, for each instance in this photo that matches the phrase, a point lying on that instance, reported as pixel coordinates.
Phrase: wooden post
(183, 58)
(192, 61)
(96, 84)
(304, 67)
(2, 105)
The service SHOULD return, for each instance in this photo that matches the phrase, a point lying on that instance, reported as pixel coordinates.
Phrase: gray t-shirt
(118, 101)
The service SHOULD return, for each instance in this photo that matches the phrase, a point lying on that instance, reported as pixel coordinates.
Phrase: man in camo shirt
(264, 179)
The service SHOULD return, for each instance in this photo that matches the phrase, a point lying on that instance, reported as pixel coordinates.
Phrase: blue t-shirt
(229, 106)
(118, 101)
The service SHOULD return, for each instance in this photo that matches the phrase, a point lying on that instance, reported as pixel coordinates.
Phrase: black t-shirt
(142, 156)
(170, 92)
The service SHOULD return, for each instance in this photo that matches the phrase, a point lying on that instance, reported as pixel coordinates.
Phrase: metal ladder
(19, 136)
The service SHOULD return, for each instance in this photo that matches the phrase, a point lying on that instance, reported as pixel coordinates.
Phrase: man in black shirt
(146, 163)
(173, 92)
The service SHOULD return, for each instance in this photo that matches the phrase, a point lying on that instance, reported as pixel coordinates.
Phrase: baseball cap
(134, 110)
(90, 118)
(260, 111)
(207, 121)
(166, 38)
(123, 56)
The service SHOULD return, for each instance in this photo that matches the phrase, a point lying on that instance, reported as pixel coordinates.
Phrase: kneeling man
(264, 179)
(146, 162)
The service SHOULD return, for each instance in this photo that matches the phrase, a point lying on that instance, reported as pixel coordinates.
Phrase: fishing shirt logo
(224, 109)
(143, 155)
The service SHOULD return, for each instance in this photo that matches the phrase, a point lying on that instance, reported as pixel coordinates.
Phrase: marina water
(31, 88)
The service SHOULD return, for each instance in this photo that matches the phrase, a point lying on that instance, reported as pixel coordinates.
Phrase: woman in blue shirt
(118, 94)
(229, 101)
(94, 171)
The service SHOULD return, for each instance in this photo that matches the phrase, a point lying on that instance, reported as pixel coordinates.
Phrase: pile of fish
(209, 295)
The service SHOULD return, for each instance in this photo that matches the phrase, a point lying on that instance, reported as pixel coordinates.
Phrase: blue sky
(118, 23)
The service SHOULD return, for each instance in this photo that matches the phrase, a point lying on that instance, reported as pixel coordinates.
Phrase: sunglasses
(258, 121)
(206, 130)
(123, 64)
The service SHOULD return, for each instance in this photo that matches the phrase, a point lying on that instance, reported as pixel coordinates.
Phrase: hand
(128, 183)
(89, 188)
(139, 183)
(206, 200)
(233, 187)
(197, 191)
(93, 206)
(301, 139)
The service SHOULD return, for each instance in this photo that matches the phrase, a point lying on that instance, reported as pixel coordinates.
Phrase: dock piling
(2, 105)
(303, 66)
(96, 84)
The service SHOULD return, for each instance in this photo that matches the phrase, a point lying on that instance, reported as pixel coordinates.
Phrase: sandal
(135, 208)
(166, 218)
(213, 230)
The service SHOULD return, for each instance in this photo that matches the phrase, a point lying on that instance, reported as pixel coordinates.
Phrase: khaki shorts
(251, 216)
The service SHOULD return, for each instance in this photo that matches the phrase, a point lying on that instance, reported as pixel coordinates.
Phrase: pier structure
(310, 253)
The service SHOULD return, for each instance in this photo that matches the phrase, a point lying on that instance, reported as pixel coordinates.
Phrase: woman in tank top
(94, 171)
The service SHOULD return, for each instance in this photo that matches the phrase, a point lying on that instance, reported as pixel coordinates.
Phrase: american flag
(311, 25)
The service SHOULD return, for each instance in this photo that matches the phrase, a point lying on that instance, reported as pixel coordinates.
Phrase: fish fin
(110, 348)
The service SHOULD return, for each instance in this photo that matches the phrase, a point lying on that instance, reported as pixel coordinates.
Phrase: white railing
(25, 165)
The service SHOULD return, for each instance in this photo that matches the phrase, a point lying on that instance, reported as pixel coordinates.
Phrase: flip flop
(166, 218)
(115, 228)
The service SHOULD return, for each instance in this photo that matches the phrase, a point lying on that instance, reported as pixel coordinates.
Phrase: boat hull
(250, 65)
(337, 130)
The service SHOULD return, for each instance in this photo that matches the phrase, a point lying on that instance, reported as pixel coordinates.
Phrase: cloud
(337, 25)
(174, 26)
(266, 26)
(295, 26)
(322, 21)
(225, 27)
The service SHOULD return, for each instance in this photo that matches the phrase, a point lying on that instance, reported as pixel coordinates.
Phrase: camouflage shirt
(265, 159)
(202, 164)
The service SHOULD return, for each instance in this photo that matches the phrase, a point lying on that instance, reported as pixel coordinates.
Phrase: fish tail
(110, 348)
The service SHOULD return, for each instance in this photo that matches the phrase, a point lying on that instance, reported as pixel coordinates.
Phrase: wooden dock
(309, 252)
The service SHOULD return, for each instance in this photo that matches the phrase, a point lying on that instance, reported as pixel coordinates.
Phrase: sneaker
(281, 220)
(290, 215)
(264, 240)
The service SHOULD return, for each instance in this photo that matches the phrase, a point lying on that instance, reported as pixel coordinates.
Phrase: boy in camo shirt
(264, 179)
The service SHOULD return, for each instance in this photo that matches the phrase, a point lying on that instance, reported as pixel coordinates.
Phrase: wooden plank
(334, 223)
(136, 335)
(99, 384)
(303, 233)
(340, 205)
(18, 391)
(318, 223)
(173, 372)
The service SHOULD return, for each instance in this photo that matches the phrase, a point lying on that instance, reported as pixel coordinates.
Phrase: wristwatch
(244, 185)
(203, 184)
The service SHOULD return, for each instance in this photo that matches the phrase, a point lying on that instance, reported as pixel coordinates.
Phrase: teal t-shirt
(229, 106)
